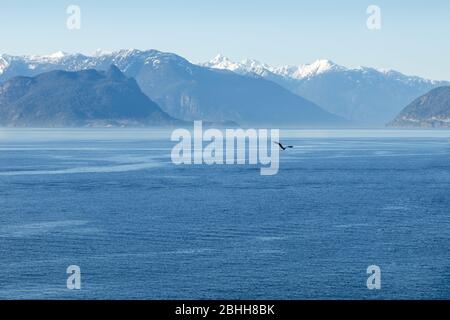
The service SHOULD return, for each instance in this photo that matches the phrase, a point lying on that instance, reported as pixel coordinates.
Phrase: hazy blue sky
(414, 38)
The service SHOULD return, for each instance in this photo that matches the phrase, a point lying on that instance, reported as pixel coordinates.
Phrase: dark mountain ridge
(73, 99)
(431, 110)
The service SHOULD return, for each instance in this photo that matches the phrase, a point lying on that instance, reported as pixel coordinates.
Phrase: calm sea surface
(112, 202)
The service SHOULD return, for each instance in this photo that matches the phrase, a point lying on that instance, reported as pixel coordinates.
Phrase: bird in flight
(283, 147)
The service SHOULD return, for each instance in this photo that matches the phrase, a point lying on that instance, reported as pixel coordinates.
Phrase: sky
(414, 35)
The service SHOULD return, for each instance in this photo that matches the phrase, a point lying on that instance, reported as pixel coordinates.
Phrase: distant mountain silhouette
(71, 99)
(431, 110)
(191, 92)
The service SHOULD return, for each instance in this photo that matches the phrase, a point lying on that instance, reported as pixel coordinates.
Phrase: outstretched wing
(282, 147)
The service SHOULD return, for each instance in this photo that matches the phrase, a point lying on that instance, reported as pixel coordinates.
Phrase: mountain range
(78, 99)
(188, 91)
(364, 95)
(322, 93)
(431, 110)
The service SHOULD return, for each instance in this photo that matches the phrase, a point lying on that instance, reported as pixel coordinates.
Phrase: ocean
(139, 227)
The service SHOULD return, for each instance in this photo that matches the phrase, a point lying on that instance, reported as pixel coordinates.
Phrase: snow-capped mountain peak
(261, 69)
(255, 65)
(223, 63)
(57, 55)
(308, 70)
(53, 57)
(315, 68)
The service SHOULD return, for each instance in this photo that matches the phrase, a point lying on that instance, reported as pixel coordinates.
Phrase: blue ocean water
(139, 227)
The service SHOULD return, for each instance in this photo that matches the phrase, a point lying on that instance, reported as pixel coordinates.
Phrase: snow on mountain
(222, 63)
(3, 64)
(188, 91)
(315, 68)
(125, 58)
(253, 66)
(302, 71)
(30, 65)
(55, 57)
(363, 95)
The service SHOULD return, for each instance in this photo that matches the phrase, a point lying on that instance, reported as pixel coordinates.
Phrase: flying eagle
(283, 147)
